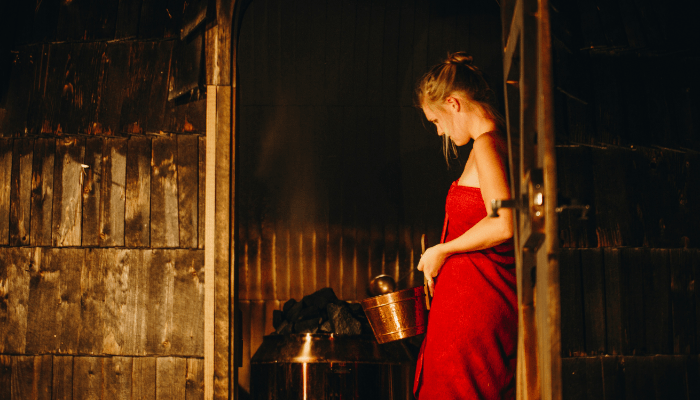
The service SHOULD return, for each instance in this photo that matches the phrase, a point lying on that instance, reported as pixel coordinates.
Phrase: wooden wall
(338, 173)
(102, 166)
(627, 145)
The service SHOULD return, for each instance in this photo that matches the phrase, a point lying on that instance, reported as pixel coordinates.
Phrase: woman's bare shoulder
(492, 142)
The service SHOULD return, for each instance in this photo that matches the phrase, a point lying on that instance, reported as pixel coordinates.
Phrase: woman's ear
(454, 103)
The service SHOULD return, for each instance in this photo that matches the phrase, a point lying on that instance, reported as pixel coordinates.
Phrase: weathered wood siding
(102, 201)
(627, 135)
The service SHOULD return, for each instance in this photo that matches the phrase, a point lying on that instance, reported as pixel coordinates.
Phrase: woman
(470, 345)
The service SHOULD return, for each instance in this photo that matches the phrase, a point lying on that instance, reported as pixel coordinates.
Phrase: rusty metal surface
(397, 315)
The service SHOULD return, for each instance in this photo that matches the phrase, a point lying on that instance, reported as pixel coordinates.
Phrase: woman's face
(445, 119)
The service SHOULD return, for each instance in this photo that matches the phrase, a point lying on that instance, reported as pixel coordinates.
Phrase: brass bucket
(397, 315)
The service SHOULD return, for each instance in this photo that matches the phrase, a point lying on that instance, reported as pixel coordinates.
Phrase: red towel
(470, 347)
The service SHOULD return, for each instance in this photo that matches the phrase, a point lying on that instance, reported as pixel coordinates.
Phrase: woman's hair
(457, 75)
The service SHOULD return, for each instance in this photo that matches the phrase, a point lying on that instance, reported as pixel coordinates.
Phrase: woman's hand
(430, 263)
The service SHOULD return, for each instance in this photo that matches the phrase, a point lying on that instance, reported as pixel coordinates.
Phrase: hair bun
(459, 58)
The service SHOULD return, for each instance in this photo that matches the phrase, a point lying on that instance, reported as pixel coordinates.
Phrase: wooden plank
(224, 280)
(87, 377)
(62, 387)
(349, 205)
(23, 379)
(92, 301)
(201, 191)
(137, 228)
(575, 183)
(573, 373)
(124, 313)
(52, 324)
(670, 377)
(572, 315)
(682, 301)
(613, 377)
(616, 324)
(144, 378)
(67, 204)
(257, 325)
(188, 303)
(171, 375)
(210, 248)
(657, 286)
(188, 189)
(164, 195)
(194, 381)
(146, 91)
(634, 262)
(185, 67)
(92, 190)
(592, 273)
(128, 19)
(159, 315)
(187, 118)
(20, 192)
(639, 378)
(594, 378)
(116, 73)
(152, 19)
(14, 276)
(113, 199)
(21, 78)
(5, 377)
(5, 188)
(118, 375)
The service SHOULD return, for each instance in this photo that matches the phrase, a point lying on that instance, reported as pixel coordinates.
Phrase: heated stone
(320, 298)
(288, 305)
(308, 326)
(342, 320)
(293, 314)
(326, 327)
(309, 313)
(285, 328)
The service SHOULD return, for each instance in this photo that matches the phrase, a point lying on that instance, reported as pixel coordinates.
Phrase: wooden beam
(209, 244)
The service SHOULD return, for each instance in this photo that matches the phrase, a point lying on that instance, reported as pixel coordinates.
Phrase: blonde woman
(470, 345)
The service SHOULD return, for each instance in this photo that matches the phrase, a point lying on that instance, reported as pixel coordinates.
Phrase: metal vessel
(397, 315)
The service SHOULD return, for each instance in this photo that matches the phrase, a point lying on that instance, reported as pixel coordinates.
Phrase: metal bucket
(397, 315)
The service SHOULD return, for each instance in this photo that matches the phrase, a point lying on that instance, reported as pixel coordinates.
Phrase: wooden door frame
(527, 65)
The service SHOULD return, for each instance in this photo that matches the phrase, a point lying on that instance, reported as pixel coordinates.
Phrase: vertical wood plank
(5, 185)
(188, 303)
(126, 300)
(137, 229)
(23, 385)
(92, 301)
(194, 382)
(14, 298)
(201, 191)
(62, 378)
(572, 317)
(257, 325)
(87, 378)
(159, 313)
(270, 307)
(657, 306)
(616, 324)
(594, 378)
(42, 192)
(116, 72)
(118, 373)
(613, 377)
(594, 300)
(20, 193)
(670, 377)
(682, 301)
(5, 377)
(67, 200)
(171, 375)
(639, 378)
(92, 190)
(113, 199)
(128, 19)
(223, 205)
(634, 262)
(144, 378)
(188, 189)
(54, 301)
(573, 375)
(164, 196)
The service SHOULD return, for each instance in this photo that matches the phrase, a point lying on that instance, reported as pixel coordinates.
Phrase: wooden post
(209, 244)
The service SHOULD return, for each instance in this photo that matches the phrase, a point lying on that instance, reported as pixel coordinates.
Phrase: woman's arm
(491, 168)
